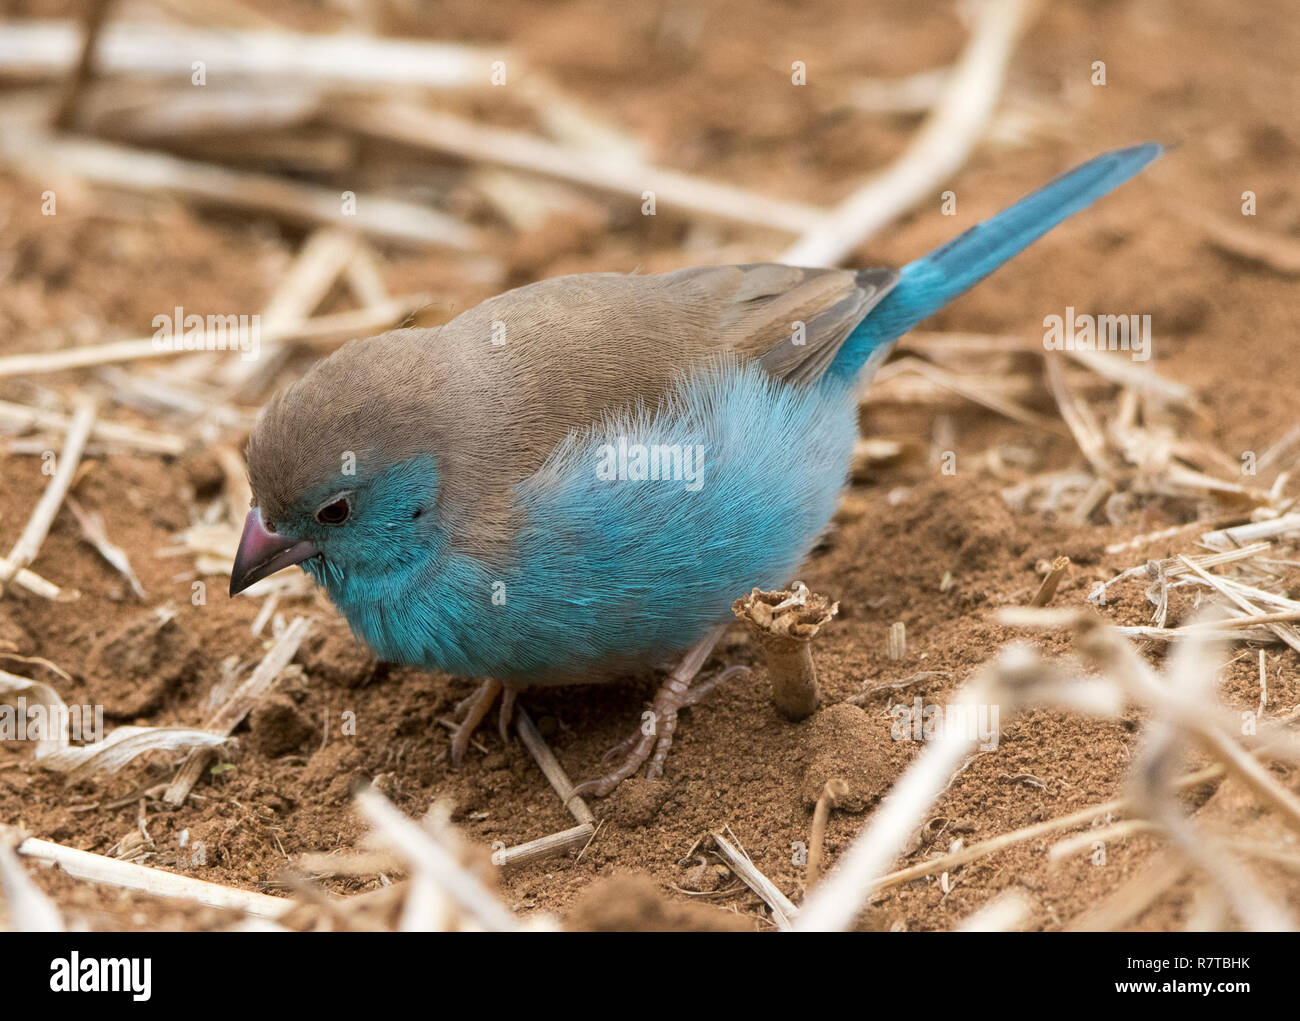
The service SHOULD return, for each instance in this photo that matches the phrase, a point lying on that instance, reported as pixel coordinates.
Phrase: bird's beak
(261, 553)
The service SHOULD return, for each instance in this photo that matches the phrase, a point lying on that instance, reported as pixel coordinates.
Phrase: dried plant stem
(1283, 632)
(1132, 897)
(551, 846)
(34, 583)
(612, 171)
(937, 151)
(896, 641)
(102, 163)
(1251, 772)
(1060, 566)
(113, 872)
(784, 625)
(427, 855)
(972, 392)
(836, 901)
(830, 795)
(164, 50)
(551, 768)
(323, 256)
(795, 691)
(1003, 913)
(1078, 418)
(319, 331)
(1275, 251)
(1004, 840)
(24, 551)
(1082, 841)
(783, 909)
(94, 532)
(78, 77)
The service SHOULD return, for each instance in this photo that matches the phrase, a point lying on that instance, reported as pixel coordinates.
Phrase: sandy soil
(709, 91)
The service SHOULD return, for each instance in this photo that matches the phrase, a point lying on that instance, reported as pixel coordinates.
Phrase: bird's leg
(656, 733)
(508, 695)
(694, 696)
(473, 709)
(699, 692)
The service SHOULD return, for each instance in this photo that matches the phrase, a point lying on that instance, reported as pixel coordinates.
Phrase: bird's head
(344, 469)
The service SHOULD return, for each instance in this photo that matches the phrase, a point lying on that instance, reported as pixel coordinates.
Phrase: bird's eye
(334, 513)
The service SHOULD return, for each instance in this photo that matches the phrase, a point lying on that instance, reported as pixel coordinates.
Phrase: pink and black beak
(263, 552)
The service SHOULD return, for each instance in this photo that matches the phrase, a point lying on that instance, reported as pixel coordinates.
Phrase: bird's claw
(471, 712)
(655, 737)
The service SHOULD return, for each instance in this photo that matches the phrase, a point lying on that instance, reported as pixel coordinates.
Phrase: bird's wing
(557, 355)
(791, 320)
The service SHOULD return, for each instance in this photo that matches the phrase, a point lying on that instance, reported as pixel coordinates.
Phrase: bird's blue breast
(639, 533)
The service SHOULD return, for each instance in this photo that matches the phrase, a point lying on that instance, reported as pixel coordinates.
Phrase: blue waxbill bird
(576, 478)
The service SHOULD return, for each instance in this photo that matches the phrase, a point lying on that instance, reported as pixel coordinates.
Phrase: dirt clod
(277, 727)
(635, 904)
(844, 743)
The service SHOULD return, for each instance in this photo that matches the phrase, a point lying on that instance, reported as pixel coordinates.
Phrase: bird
(574, 480)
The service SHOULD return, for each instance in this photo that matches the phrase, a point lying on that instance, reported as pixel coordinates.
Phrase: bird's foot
(472, 711)
(655, 736)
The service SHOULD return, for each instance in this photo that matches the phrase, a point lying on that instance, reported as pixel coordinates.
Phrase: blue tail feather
(929, 283)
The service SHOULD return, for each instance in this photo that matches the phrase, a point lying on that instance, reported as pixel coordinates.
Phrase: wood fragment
(551, 768)
(782, 908)
(27, 547)
(108, 165)
(320, 331)
(551, 846)
(112, 872)
(36, 49)
(1060, 567)
(404, 122)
